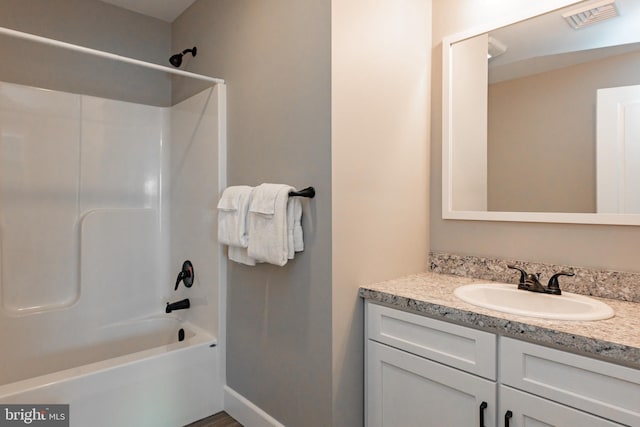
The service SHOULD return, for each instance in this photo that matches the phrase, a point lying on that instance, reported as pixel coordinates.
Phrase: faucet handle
(523, 276)
(554, 285)
(185, 275)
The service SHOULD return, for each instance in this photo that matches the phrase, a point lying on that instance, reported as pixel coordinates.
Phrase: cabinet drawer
(605, 389)
(467, 349)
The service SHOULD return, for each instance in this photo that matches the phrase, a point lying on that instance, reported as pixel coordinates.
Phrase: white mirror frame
(447, 140)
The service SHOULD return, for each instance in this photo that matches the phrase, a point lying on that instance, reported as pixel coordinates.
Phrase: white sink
(510, 299)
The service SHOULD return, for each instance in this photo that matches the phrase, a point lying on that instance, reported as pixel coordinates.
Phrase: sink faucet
(531, 282)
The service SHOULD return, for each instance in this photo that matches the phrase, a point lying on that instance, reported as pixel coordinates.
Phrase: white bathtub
(133, 374)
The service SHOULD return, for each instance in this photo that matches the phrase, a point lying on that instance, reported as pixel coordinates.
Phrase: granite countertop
(431, 294)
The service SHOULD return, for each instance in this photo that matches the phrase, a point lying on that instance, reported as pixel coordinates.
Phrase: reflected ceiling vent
(591, 13)
(495, 48)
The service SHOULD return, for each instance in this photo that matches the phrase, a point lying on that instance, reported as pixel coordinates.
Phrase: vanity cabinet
(425, 372)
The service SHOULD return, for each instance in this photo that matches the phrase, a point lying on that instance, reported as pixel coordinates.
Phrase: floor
(221, 419)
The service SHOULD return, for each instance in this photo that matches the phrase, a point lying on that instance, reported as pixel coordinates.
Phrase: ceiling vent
(591, 13)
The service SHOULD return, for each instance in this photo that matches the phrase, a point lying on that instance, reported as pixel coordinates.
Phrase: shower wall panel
(120, 204)
(79, 201)
(192, 192)
(39, 178)
(120, 154)
(119, 264)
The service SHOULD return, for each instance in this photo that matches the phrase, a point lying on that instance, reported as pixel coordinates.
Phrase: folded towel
(267, 223)
(295, 241)
(232, 216)
(240, 255)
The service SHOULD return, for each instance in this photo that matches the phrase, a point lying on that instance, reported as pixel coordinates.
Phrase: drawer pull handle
(507, 416)
(483, 406)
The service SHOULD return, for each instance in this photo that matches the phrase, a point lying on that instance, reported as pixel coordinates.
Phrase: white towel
(295, 242)
(267, 222)
(240, 255)
(232, 216)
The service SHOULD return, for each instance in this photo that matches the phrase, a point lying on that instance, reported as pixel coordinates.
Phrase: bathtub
(132, 374)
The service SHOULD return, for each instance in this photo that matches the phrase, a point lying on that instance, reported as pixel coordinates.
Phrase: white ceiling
(166, 10)
(547, 42)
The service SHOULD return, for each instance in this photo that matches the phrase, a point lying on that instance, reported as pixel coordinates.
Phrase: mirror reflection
(545, 113)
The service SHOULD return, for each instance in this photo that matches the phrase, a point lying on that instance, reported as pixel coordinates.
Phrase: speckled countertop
(431, 294)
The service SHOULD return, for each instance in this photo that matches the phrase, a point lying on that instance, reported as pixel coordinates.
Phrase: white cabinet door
(519, 409)
(404, 390)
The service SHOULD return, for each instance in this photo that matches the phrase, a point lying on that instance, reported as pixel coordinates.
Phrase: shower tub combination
(101, 201)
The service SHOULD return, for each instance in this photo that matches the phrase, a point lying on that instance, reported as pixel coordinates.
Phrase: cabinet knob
(483, 406)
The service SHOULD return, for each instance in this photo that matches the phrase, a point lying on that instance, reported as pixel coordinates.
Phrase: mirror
(540, 117)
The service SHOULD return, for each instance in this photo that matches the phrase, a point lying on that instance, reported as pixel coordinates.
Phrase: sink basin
(510, 299)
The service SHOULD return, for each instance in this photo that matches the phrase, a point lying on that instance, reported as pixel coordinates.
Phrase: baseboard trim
(243, 410)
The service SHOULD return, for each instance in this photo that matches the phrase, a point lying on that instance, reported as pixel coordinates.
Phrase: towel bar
(309, 192)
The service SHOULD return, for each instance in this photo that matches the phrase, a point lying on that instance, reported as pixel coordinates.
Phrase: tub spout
(178, 305)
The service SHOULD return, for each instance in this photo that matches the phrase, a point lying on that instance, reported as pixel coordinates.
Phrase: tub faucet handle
(186, 275)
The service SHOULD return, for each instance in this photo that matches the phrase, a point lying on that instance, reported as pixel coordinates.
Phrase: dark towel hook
(309, 192)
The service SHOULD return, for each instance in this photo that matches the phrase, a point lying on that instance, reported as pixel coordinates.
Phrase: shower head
(176, 60)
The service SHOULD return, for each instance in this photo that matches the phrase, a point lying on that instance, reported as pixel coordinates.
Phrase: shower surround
(100, 203)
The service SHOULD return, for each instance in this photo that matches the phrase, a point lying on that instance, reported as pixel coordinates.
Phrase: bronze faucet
(531, 282)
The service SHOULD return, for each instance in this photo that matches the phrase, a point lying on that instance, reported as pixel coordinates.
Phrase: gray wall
(598, 246)
(93, 24)
(275, 58)
(542, 136)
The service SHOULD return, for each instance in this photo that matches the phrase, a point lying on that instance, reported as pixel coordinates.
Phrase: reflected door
(618, 150)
